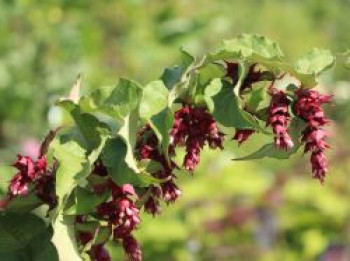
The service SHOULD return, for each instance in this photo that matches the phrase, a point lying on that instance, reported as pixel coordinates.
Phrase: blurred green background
(263, 210)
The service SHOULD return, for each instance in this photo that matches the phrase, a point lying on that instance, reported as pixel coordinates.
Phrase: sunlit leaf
(315, 62)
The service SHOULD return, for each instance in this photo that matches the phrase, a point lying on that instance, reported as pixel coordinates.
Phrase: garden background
(260, 210)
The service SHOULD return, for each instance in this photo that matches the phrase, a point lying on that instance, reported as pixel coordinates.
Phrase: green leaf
(41, 248)
(270, 150)
(25, 237)
(186, 60)
(24, 204)
(85, 201)
(255, 97)
(243, 69)
(162, 123)
(213, 88)
(7, 172)
(252, 49)
(77, 149)
(247, 46)
(154, 99)
(73, 165)
(228, 112)
(89, 226)
(102, 235)
(95, 100)
(315, 62)
(114, 158)
(91, 129)
(44, 251)
(280, 67)
(18, 229)
(147, 167)
(128, 132)
(124, 98)
(171, 76)
(116, 102)
(64, 238)
(147, 178)
(210, 71)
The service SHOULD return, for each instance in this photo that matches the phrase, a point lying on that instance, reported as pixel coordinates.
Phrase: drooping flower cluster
(100, 253)
(123, 217)
(36, 176)
(279, 119)
(147, 148)
(193, 128)
(242, 135)
(308, 106)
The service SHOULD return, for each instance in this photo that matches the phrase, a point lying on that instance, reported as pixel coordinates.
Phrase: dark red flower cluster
(100, 253)
(279, 119)
(147, 148)
(132, 248)
(193, 128)
(309, 107)
(123, 216)
(242, 135)
(35, 175)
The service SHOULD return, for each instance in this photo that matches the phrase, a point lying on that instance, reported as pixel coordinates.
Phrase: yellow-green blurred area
(260, 210)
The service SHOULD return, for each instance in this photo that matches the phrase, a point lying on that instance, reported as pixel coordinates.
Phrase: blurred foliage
(263, 210)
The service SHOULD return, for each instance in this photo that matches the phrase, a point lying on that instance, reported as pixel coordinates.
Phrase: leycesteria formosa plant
(120, 156)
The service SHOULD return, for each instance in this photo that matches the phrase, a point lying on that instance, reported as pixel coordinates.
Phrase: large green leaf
(40, 248)
(95, 100)
(77, 149)
(25, 237)
(85, 201)
(128, 132)
(116, 102)
(162, 123)
(210, 90)
(91, 129)
(252, 49)
(64, 238)
(124, 98)
(114, 157)
(43, 251)
(255, 97)
(171, 76)
(210, 71)
(24, 204)
(119, 159)
(154, 99)
(18, 229)
(315, 62)
(247, 46)
(73, 165)
(228, 112)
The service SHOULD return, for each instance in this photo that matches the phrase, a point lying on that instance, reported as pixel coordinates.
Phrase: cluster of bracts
(193, 129)
(305, 104)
